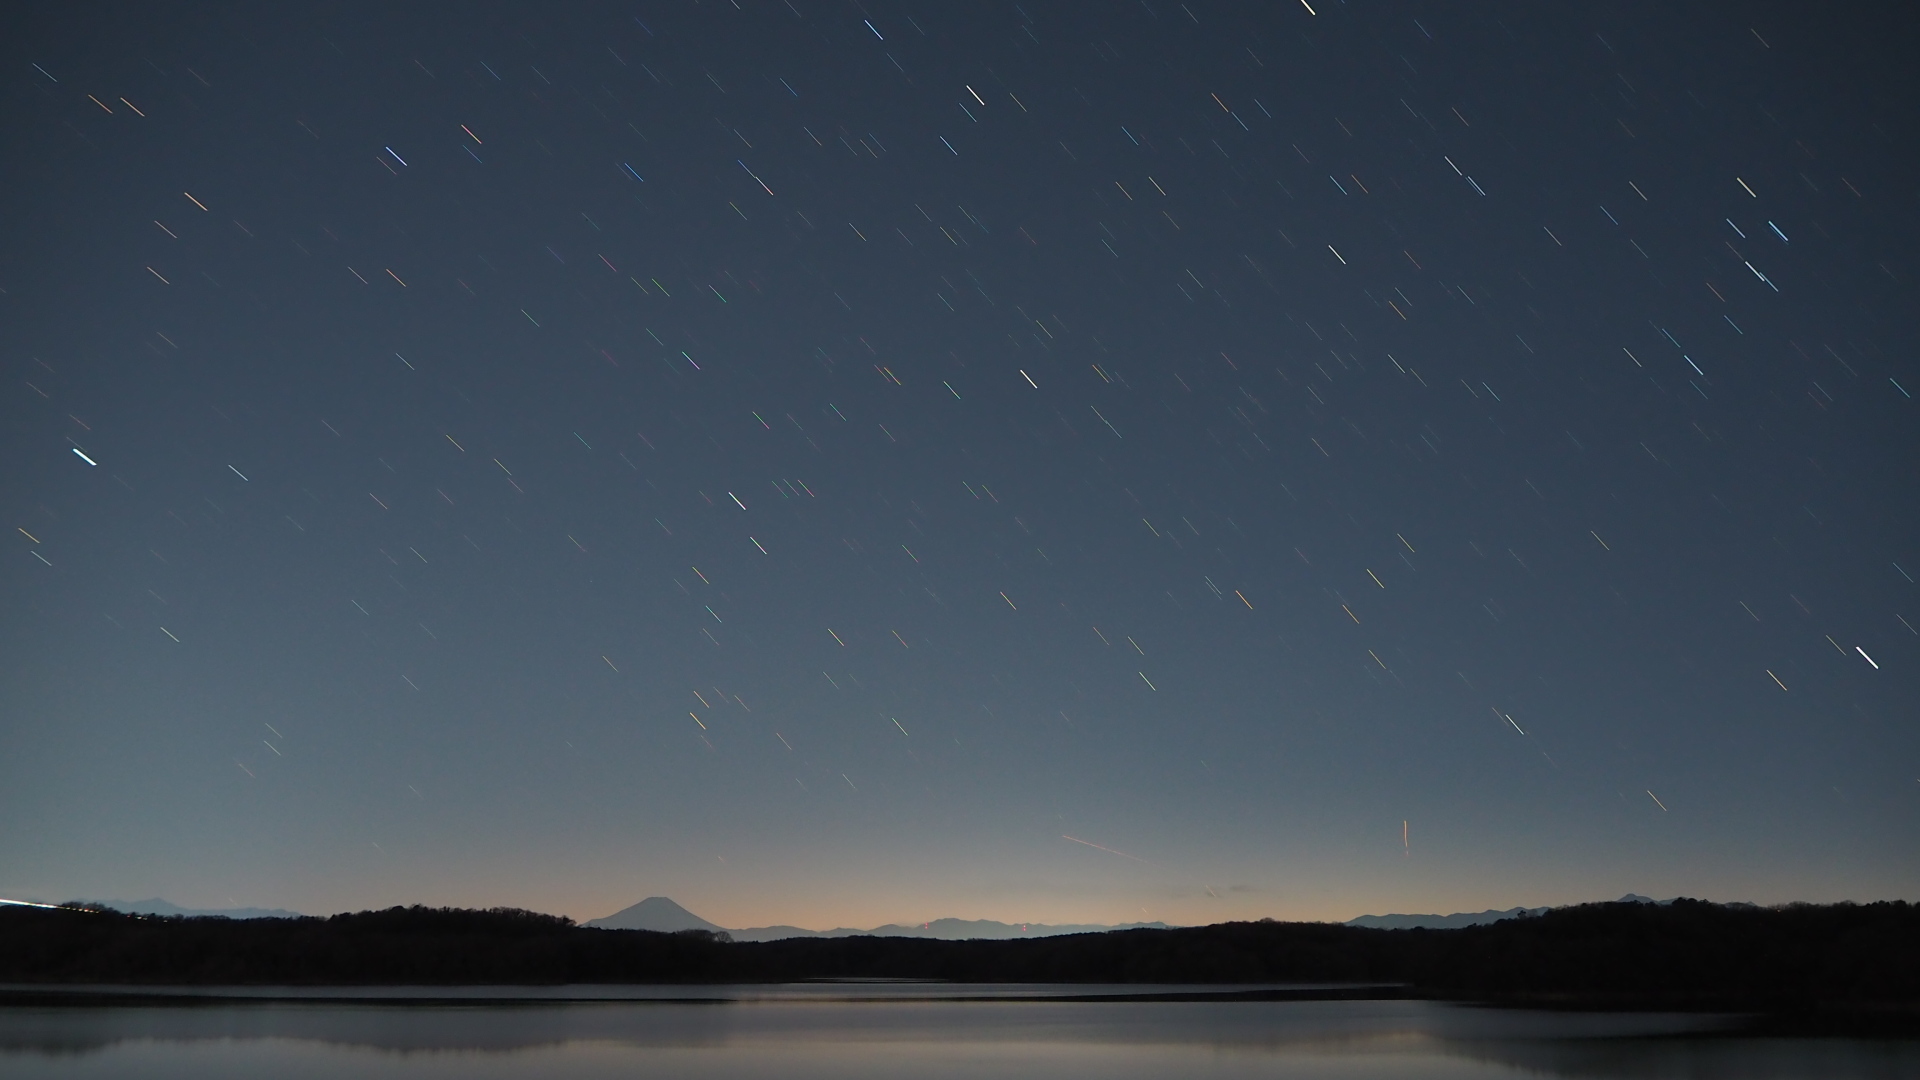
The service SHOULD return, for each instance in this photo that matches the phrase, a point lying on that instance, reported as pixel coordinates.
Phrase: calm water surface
(891, 1031)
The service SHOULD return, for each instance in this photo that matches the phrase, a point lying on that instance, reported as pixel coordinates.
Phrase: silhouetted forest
(1687, 954)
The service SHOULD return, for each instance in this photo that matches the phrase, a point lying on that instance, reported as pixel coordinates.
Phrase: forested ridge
(1687, 954)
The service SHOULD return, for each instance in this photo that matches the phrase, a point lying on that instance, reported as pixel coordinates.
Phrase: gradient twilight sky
(810, 460)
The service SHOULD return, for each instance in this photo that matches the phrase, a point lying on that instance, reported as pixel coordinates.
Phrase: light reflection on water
(806, 1033)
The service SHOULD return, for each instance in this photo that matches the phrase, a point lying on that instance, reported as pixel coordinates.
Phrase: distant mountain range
(1480, 918)
(157, 906)
(1442, 922)
(661, 914)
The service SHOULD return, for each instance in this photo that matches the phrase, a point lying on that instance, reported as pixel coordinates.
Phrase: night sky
(835, 464)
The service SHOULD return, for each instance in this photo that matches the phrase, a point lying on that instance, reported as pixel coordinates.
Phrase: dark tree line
(1686, 954)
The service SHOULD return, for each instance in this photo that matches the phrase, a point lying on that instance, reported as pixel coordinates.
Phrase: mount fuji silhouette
(657, 913)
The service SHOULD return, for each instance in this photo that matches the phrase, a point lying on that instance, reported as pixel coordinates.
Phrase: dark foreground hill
(1685, 955)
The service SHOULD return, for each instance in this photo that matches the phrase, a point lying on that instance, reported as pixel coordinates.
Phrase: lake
(882, 1030)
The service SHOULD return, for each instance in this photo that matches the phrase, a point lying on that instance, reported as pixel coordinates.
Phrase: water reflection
(814, 1032)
